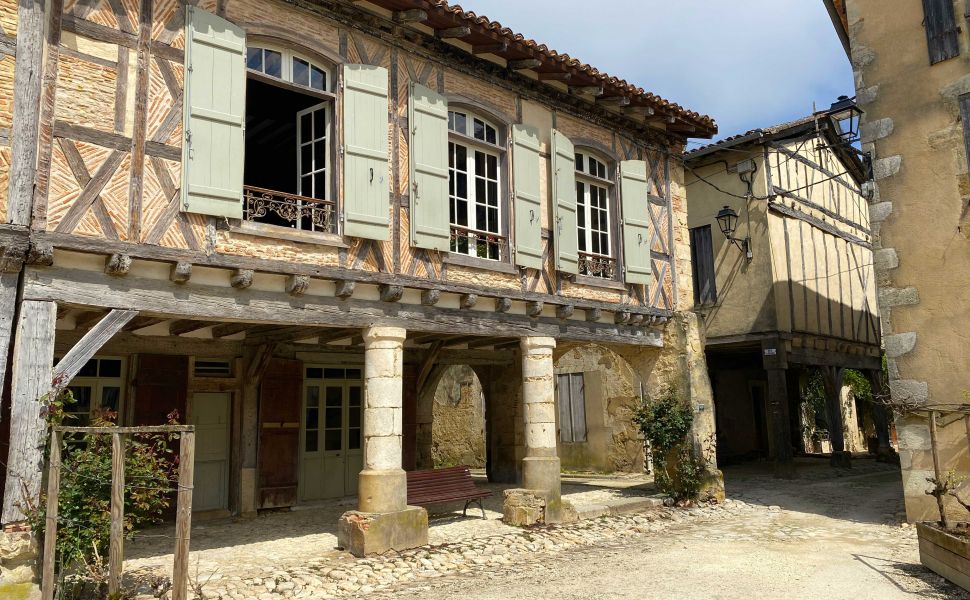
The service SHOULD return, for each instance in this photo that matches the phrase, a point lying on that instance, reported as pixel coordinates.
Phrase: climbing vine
(666, 423)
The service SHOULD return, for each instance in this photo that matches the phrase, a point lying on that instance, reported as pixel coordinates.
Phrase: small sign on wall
(771, 351)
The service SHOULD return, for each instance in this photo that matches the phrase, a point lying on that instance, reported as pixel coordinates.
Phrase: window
(572, 407)
(475, 153)
(594, 191)
(942, 33)
(289, 133)
(702, 265)
(98, 387)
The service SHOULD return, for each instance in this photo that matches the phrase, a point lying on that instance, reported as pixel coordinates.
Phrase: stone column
(880, 417)
(383, 520)
(540, 467)
(832, 377)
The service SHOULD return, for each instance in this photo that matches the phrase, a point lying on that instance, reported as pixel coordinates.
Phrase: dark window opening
(702, 265)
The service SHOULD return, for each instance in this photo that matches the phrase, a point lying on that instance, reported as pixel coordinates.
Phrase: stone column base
(364, 534)
(841, 459)
(712, 486)
(382, 491)
(19, 565)
(542, 473)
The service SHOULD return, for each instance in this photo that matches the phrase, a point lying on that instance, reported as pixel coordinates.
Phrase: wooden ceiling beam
(496, 48)
(586, 90)
(327, 336)
(143, 322)
(187, 326)
(554, 76)
(415, 15)
(614, 100)
(227, 329)
(453, 32)
(522, 64)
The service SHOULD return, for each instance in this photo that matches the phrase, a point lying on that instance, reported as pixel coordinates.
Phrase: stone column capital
(377, 337)
(537, 344)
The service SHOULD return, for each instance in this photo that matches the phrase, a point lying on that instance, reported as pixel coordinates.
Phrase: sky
(747, 63)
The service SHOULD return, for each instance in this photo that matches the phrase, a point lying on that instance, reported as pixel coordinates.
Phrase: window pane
(481, 221)
(354, 391)
(314, 373)
(318, 79)
(254, 58)
(320, 154)
(110, 398)
(312, 393)
(492, 167)
(461, 125)
(493, 193)
(491, 136)
(462, 185)
(109, 367)
(273, 63)
(320, 185)
(335, 395)
(355, 418)
(82, 399)
(480, 196)
(479, 130)
(332, 439)
(90, 369)
(462, 216)
(301, 72)
(313, 418)
(353, 441)
(334, 418)
(306, 130)
(480, 164)
(306, 158)
(311, 444)
(579, 162)
(332, 374)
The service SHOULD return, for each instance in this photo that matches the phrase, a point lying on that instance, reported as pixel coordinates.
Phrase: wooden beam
(391, 293)
(241, 278)
(296, 285)
(344, 289)
(453, 32)
(260, 362)
(486, 342)
(143, 322)
(227, 329)
(327, 336)
(414, 15)
(187, 326)
(522, 64)
(117, 265)
(614, 100)
(503, 305)
(430, 297)
(181, 272)
(85, 319)
(428, 364)
(468, 300)
(496, 48)
(593, 314)
(533, 309)
(284, 334)
(621, 316)
(645, 111)
(586, 90)
(183, 516)
(564, 311)
(84, 350)
(554, 76)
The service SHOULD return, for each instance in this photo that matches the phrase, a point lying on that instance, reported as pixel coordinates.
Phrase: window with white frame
(289, 141)
(98, 387)
(475, 154)
(594, 216)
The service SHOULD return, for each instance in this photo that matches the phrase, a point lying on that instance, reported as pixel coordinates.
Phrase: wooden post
(774, 359)
(937, 470)
(50, 525)
(183, 519)
(116, 551)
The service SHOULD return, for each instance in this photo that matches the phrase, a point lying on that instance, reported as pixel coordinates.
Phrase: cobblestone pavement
(822, 534)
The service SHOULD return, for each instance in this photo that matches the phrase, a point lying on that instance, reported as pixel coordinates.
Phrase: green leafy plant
(84, 501)
(666, 423)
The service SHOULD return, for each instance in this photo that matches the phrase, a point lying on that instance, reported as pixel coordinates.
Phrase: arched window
(289, 141)
(476, 150)
(594, 216)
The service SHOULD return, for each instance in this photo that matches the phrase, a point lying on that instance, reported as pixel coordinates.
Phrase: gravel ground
(820, 536)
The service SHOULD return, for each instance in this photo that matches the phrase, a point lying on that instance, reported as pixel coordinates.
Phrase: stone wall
(458, 421)
(914, 131)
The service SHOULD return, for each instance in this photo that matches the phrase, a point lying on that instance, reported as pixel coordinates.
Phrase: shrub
(666, 423)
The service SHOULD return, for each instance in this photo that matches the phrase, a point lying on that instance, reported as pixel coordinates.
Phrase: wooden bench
(440, 486)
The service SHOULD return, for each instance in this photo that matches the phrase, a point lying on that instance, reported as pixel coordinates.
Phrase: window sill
(288, 233)
(453, 258)
(600, 282)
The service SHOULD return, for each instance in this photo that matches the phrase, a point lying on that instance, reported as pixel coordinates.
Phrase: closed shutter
(564, 192)
(214, 115)
(428, 157)
(572, 407)
(942, 35)
(528, 203)
(637, 263)
(366, 193)
(702, 265)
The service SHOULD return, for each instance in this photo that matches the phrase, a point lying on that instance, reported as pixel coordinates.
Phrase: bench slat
(438, 486)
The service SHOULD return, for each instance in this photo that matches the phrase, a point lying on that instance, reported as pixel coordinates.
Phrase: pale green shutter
(564, 192)
(638, 265)
(214, 115)
(428, 158)
(528, 202)
(366, 193)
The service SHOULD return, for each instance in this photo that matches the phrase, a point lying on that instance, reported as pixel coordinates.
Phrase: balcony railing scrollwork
(483, 244)
(597, 265)
(290, 210)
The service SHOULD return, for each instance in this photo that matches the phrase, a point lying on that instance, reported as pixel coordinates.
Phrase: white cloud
(747, 63)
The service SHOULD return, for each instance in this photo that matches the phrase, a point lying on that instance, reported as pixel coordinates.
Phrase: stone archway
(597, 392)
(451, 426)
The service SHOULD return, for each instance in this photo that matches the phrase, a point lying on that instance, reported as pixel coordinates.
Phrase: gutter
(839, 29)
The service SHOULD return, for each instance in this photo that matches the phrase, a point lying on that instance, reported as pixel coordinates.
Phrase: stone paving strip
(330, 577)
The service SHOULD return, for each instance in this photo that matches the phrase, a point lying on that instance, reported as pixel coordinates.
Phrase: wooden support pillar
(832, 378)
(880, 417)
(257, 362)
(775, 361)
(9, 282)
(33, 359)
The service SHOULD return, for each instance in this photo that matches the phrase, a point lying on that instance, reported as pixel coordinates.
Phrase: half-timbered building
(783, 269)
(279, 219)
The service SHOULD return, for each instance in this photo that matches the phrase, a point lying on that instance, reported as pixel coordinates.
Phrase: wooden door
(210, 415)
(279, 433)
(161, 387)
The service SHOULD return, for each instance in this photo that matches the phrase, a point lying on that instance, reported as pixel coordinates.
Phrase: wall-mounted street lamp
(846, 114)
(727, 220)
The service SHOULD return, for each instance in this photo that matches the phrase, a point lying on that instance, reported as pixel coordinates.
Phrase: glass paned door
(312, 125)
(332, 444)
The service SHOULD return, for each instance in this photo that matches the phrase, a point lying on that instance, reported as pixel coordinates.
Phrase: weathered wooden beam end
(391, 293)
(524, 63)
(453, 32)
(468, 300)
(564, 311)
(117, 264)
(40, 254)
(415, 15)
(241, 278)
(430, 297)
(621, 316)
(296, 285)
(344, 289)
(533, 308)
(593, 314)
(181, 272)
(503, 305)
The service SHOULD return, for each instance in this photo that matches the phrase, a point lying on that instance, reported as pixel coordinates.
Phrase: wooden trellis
(183, 519)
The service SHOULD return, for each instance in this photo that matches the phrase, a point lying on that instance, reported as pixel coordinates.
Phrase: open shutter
(637, 263)
(564, 191)
(366, 194)
(428, 157)
(942, 35)
(214, 115)
(528, 203)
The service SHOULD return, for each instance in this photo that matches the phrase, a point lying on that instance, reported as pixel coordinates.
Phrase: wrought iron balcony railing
(291, 210)
(483, 244)
(597, 265)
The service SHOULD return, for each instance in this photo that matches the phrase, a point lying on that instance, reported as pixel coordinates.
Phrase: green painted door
(210, 415)
(331, 437)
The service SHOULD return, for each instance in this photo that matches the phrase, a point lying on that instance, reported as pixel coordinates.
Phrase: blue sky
(747, 63)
